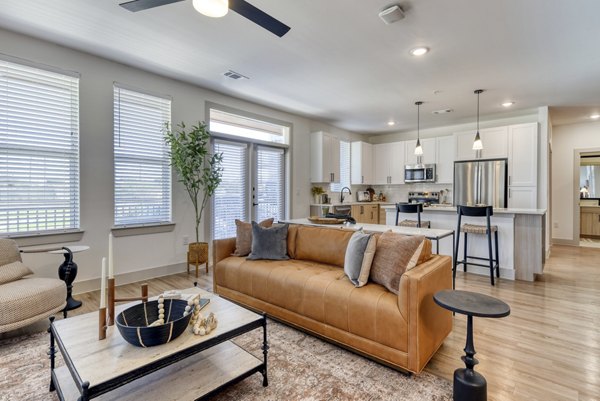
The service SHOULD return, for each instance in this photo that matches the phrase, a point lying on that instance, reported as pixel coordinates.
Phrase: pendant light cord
(478, 93)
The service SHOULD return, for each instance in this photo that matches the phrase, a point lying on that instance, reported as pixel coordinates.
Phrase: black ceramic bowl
(133, 323)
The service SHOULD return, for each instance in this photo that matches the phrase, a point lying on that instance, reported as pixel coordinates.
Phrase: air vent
(234, 75)
(443, 111)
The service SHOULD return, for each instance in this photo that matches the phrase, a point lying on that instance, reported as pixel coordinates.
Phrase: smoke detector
(391, 14)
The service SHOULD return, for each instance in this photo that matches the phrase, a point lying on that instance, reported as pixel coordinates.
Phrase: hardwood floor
(547, 349)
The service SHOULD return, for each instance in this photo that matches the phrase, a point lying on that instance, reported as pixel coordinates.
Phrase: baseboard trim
(508, 274)
(80, 287)
(569, 242)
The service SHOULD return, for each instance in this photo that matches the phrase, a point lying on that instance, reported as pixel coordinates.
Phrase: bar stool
(487, 229)
(411, 208)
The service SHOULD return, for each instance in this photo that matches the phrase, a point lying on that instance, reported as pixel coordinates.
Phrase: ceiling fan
(218, 8)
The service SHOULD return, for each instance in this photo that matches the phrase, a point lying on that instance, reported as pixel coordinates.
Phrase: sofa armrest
(428, 324)
(222, 248)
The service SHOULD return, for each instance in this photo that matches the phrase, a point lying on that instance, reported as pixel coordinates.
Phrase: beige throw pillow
(243, 239)
(367, 262)
(396, 254)
(13, 271)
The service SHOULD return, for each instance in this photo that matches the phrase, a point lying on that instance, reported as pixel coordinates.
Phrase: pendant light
(477, 145)
(418, 148)
(212, 8)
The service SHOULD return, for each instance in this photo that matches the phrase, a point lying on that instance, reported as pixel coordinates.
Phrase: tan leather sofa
(311, 291)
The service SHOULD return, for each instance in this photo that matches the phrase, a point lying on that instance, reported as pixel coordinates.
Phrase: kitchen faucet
(342, 194)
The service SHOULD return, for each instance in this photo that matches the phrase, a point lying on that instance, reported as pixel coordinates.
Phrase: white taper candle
(103, 284)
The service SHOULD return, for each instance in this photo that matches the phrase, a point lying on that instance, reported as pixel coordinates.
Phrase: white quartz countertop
(431, 233)
(496, 211)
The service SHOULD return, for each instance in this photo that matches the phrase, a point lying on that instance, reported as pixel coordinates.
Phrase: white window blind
(230, 199)
(39, 150)
(344, 168)
(142, 164)
(270, 185)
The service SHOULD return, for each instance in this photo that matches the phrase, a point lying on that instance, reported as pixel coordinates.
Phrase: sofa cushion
(269, 243)
(359, 257)
(29, 297)
(324, 245)
(13, 271)
(243, 239)
(397, 253)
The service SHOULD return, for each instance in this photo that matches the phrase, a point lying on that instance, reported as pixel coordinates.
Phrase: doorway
(589, 199)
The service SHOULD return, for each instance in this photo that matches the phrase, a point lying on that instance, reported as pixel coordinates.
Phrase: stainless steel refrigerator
(481, 182)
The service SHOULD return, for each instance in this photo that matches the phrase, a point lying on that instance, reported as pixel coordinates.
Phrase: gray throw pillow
(355, 253)
(269, 243)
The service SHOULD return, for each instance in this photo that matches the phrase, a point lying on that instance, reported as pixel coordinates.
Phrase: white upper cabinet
(325, 157)
(361, 162)
(388, 163)
(429, 151)
(522, 155)
(494, 140)
(445, 159)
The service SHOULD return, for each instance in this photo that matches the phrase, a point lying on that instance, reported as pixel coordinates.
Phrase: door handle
(362, 179)
(254, 204)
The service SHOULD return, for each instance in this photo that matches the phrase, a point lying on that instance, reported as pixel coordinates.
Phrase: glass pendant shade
(477, 145)
(418, 148)
(212, 8)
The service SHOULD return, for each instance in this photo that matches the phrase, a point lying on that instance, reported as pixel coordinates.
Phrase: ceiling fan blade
(259, 17)
(140, 5)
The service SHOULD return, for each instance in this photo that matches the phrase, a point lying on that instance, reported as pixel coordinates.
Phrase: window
(269, 189)
(344, 168)
(142, 163)
(246, 127)
(39, 150)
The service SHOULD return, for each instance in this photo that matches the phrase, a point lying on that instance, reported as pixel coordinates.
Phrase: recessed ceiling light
(419, 51)
(595, 116)
(508, 104)
(391, 123)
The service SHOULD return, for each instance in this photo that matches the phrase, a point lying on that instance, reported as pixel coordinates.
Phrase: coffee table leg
(265, 349)
(469, 385)
(51, 353)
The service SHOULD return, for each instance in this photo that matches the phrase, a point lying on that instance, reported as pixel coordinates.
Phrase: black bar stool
(487, 229)
(411, 208)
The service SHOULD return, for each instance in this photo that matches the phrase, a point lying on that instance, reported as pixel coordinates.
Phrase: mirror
(589, 177)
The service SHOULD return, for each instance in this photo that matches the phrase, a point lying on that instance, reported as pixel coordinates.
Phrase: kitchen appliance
(419, 173)
(426, 198)
(481, 182)
(363, 196)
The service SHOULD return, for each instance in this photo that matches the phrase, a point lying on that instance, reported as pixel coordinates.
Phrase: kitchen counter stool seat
(411, 208)
(487, 230)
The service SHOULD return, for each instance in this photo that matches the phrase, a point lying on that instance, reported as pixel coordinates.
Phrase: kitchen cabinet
(522, 155)
(589, 221)
(429, 151)
(445, 160)
(388, 163)
(522, 197)
(368, 213)
(325, 157)
(494, 140)
(361, 162)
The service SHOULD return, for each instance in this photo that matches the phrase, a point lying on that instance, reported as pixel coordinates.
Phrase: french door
(252, 186)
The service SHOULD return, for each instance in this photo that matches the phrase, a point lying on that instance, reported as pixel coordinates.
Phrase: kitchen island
(521, 235)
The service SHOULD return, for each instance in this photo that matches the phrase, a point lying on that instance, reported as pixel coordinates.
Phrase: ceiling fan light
(418, 148)
(477, 145)
(212, 8)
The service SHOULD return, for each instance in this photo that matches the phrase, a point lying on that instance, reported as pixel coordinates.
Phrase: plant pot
(197, 255)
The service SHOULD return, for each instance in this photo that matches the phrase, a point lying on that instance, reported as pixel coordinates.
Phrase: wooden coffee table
(189, 367)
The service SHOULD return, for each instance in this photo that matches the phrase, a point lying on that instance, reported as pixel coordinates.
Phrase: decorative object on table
(316, 192)
(200, 172)
(325, 220)
(67, 272)
(102, 323)
(134, 323)
(112, 299)
(470, 385)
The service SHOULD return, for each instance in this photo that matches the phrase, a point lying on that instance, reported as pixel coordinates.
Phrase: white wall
(135, 253)
(566, 139)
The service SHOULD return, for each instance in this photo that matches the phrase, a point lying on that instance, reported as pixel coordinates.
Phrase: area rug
(301, 367)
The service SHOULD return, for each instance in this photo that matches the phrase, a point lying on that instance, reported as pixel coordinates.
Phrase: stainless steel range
(426, 198)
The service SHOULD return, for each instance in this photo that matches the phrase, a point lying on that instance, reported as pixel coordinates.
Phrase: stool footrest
(462, 262)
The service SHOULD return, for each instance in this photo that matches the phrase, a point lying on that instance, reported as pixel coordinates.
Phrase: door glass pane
(270, 185)
(230, 201)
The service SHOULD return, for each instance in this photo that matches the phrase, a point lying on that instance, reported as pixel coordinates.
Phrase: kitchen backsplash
(399, 193)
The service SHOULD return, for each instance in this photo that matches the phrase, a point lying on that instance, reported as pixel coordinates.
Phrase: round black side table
(468, 384)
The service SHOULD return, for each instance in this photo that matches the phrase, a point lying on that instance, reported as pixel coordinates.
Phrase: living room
(59, 37)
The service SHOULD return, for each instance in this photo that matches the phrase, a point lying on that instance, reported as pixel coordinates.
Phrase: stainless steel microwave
(419, 173)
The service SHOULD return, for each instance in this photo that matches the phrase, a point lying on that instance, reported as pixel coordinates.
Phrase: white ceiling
(341, 64)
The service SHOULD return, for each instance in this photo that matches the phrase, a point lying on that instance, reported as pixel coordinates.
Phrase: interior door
(268, 189)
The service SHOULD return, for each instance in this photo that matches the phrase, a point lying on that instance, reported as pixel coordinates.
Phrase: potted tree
(200, 171)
